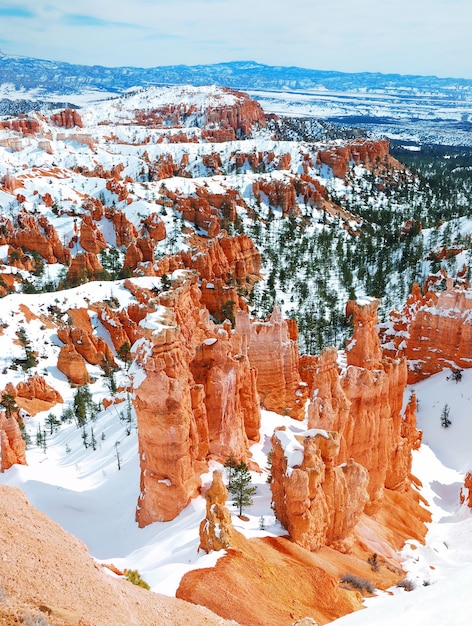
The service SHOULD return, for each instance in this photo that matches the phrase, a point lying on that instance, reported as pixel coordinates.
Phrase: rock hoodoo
(324, 480)
(273, 352)
(216, 530)
(194, 397)
(12, 444)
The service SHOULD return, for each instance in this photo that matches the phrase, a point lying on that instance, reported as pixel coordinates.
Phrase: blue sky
(400, 36)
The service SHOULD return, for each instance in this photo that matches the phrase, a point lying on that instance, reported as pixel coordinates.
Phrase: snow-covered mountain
(422, 108)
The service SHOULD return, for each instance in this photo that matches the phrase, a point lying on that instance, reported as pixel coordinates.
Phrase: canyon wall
(433, 331)
(359, 442)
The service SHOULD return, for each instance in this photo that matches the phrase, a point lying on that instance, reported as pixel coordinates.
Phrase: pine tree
(52, 422)
(445, 421)
(241, 487)
(9, 404)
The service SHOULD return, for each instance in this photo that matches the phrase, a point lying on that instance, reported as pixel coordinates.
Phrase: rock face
(318, 503)
(273, 352)
(339, 158)
(36, 388)
(323, 483)
(195, 398)
(12, 444)
(34, 233)
(466, 491)
(76, 589)
(92, 348)
(216, 530)
(433, 331)
(72, 364)
(68, 118)
(85, 266)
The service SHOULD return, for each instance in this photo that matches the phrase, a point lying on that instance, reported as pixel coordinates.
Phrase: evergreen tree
(445, 421)
(241, 487)
(53, 423)
(9, 404)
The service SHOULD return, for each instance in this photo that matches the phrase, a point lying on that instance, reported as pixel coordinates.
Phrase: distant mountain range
(424, 109)
(58, 78)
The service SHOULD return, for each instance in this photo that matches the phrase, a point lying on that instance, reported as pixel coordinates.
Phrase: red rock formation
(125, 230)
(154, 227)
(36, 388)
(121, 327)
(84, 266)
(92, 348)
(91, 239)
(339, 158)
(364, 348)
(234, 256)
(433, 331)
(72, 364)
(216, 530)
(133, 256)
(220, 299)
(240, 116)
(466, 491)
(197, 397)
(68, 118)
(24, 125)
(12, 444)
(278, 193)
(318, 503)
(363, 405)
(35, 233)
(273, 352)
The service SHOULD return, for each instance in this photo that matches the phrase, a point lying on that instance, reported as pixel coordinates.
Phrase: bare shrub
(361, 584)
(374, 562)
(406, 584)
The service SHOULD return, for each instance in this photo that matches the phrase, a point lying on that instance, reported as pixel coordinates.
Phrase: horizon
(237, 61)
(417, 39)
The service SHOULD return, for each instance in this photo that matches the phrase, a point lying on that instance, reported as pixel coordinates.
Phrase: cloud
(14, 11)
(74, 19)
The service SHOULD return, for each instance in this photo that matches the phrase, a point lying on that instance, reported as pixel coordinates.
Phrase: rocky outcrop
(194, 397)
(154, 227)
(33, 390)
(273, 351)
(92, 348)
(84, 266)
(24, 125)
(339, 158)
(91, 239)
(216, 530)
(12, 444)
(363, 350)
(363, 404)
(319, 503)
(433, 331)
(35, 233)
(76, 589)
(466, 491)
(278, 193)
(358, 445)
(72, 365)
(239, 116)
(68, 118)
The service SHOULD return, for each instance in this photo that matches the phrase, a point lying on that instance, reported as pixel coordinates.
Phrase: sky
(428, 37)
